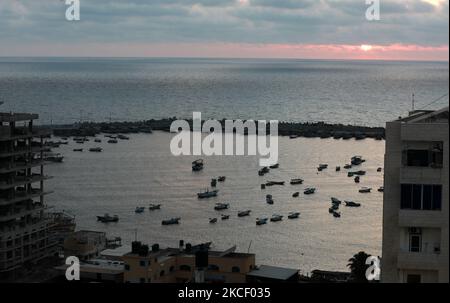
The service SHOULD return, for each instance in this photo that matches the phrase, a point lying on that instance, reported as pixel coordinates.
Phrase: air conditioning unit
(415, 230)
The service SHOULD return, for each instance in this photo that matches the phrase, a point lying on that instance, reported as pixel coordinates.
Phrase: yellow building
(178, 265)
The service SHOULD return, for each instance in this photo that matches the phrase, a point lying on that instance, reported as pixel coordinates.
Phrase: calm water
(355, 92)
(143, 171)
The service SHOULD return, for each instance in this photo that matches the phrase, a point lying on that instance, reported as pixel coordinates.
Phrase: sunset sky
(309, 29)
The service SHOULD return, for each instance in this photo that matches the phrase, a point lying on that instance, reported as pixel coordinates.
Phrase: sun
(366, 47)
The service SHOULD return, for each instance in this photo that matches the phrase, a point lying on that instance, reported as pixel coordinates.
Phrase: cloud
(407, 22)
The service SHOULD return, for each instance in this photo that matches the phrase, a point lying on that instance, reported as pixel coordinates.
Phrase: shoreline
(291, 129)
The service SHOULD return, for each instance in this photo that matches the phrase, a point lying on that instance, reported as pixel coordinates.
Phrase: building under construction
(24, 225)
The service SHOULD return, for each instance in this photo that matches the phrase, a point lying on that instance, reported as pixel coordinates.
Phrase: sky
(308, 29)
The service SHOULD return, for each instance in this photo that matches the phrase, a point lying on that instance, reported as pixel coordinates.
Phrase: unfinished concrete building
(24, 227)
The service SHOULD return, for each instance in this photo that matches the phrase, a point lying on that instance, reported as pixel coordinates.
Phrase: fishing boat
(296, 194)
(263, 171)
(212, 220)
(221, 179)
(357, 179)
(331, 210)
(221, 206)
(225, 217)
(360, 173)
(322, 167)
(112, 141)
(294, 215)
(336, 214)
(123, 137)
(309, 191)
(352, 204)
(197, 165)
(338, 168)
(381, 189)
(171, 221)
(207, 194)
(154, 206)
(348, 166)
(269, 199)
(213, 182)
(296, 181)
(365, 190)
(107, 218)
(77, 149)
(261, 221)
(379, 169)
(97, 140)
(357, 160)
(139, 210)
(96, 149)
(276, 218)
(272, 183)
(274, 166)
(244, 213)
(335, 200)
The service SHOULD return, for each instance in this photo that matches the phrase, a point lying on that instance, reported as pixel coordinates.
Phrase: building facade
(24, 226)
(178, 265)
(416, 203)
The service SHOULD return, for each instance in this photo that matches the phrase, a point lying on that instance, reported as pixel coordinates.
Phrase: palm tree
(358, 267)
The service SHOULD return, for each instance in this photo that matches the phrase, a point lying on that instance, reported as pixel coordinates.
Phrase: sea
(142, 170)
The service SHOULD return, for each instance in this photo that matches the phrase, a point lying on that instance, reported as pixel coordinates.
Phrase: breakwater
(292, 129)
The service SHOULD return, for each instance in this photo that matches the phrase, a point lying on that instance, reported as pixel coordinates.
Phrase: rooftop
(13, 117)
(426, 116)
(273, 272)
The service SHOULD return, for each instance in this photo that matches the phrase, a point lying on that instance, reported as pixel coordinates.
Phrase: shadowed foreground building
(416, 208)
(24, 225)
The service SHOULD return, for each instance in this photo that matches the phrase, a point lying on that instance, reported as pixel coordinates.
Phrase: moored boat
(106, 218)
(139, 209)
(197, 165)
(296, 181)
(212, 220)
(171, 221)
(296, 194)
(221, 179)
(269, 199)
(225, 217)
(96, 149)
(261, 221)
(309, 191)
(276, 218)
(207, 194)
(293, 215)
(154, 206)
(221, 206)
(365, 190)
(244, 213)
(272, 183)
(352, 204)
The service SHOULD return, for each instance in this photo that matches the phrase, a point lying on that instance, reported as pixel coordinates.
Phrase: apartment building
(178, 265)
(24, 226)
(416, 204)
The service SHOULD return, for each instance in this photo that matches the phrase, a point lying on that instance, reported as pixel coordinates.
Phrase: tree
(358, 267)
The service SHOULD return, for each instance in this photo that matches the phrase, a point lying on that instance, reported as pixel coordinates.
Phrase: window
(413, 279)
(127, 267)
(421, 197)
(235, 269)
(213, 267)
(417, 158)
(142, 263)
(415, 239)
(162, 273)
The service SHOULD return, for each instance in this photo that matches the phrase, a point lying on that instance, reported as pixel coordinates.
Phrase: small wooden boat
(269, 199)
(272, 183)
(309, 191)
(294, 215)
(352, 204)
(338, 168)
(77, 149)
(296, 194)
(96, 149)
(212, 220)
(154, 206)
(244, 213)
(357, 160)
(348, 166)
(296, 181)
(197, 165)
(171, 221)
(139, 210)
(274, 166)
(225, 217)
(335, 200)
(221, 179)
(357, 179)
(207, 194)
(365, 190)
(336, 214)
(381, 189)
(276, 218)
(221, 206)
(263, 171)
(107, 218)
(97, 140)
(261, 221)
(379, 169)
(213, 182)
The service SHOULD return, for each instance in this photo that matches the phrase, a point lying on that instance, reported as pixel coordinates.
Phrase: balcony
(421, 218)
(20, 166)
(18, 181)
(419, 260)
(23, 195)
